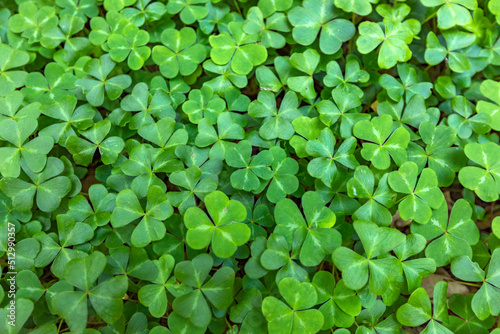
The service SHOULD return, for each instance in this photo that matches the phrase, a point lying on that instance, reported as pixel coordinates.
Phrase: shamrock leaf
(466, 321)
(362, 7)
(129, 43)
(435, 53)
(129, 209)
(106, 297)
(317, 237)
(484, 301)
(269, 30)
(48, 186)
(307, 63)
(421, 197)
(190, 179)
(218, 290)
(449, 239)
(83, 150)
(238, 48)
(277, 122)
(358, 270)
(252, 170)
(409, 86)
(69, 118)
(375, 209)
(71, 234)
(439, 154)
(98, 211)
(11, 59)
(452, 13)
(339, 303)
(297, 315)
(489, 89)
(180, 53)
(344, 110)
(417, 311)
(316, 15)
(324, 164)
(190, 10)
(144, 11)
(33, 153)
(159, 105)
(97, 81)
(346, 83)
(51, 87)
(224, 232)
(203, 104)
(463, 119)
(283, 182)
(393, 42)
(32, 20)
(483, 181)
(306, 128)
(154, 296)
(381, 142)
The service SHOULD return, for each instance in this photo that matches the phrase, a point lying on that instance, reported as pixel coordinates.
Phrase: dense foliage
(253, 166)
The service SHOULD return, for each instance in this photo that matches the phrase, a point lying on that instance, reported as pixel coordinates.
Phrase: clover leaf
(224, 231)
(483, 181)
(218, 290)
(297, 314)
(11, 59)
(150, 228)
(317, 237)
(130, 44)
(33, 153)
(190, 10)
(180, 53)
(375, 209)
(393, 42)
(417, 311)
(452, 13)
(83, 150)
(358, 270)
(326, 158)
(381, 143)
(251, 172)
(97, 81)
(238, 48)
(484, 301)
(449, 238)
(420, 197)
(316, 15)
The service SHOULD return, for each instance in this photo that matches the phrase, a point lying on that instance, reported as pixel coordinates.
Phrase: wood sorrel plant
(249, 166)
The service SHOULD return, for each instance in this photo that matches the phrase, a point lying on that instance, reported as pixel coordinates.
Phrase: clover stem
(449, 280)
(430, 17)
(59, 327)
(239, 11)
(225, 319)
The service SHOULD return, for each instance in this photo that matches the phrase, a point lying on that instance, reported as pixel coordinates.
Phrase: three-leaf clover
(129, 209)
(179, 54)
(238, 48)
(324, 164)
(224, 231)
(449, 238)
(97, 82)
(131, 44)
(298, 314)
(316, 15)
(420, 197)
(381, 143)
(317, 236)
(483, 181)
(358, 270)
(485, 300)
(452, 13)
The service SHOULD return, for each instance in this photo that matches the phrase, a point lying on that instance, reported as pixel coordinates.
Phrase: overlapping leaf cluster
(253, 166)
